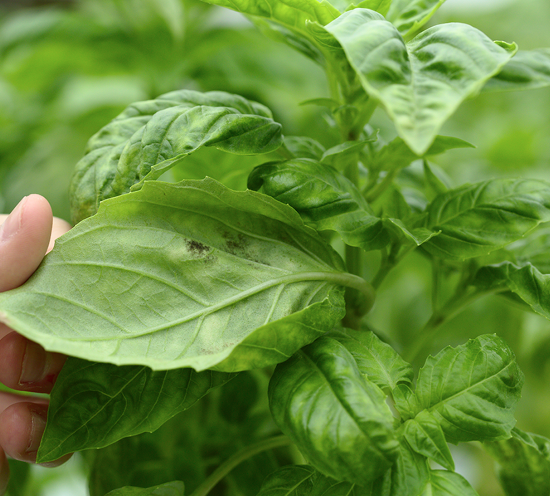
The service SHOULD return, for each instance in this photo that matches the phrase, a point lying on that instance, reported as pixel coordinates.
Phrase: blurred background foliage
(68, 67)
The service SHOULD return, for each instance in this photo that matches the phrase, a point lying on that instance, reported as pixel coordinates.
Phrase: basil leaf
(408, 16)
(476, 219)
(445, 483)
(338, 419)
(472, 390)
(303, 147)
(424, 435)
(526, 281)
(324, 197)
(303, 480)
(528, 69)
(293, 14)
(183, 275)
(150, 137)
(380, 6)
(408, 476)
(405, 401)
(524, 463)
(169, 489)
(435, 72)
(94, 405)
(376, 360)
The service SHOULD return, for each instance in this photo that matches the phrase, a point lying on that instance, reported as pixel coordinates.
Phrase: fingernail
(13, 223)
(38, 424)
(34, 364)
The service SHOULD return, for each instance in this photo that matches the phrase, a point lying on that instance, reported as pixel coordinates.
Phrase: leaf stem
(240, 456)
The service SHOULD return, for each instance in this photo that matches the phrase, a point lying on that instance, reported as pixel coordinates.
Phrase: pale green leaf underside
(291, 13)
(528, 69)
(408, 16)
(337, 418)
(150, 137)
(183, 275)
(325, 199)
(472, 390)
(445, 483)
(524, 463)
(93, 405)
(476, 219)
(175, 488)
(421, 83)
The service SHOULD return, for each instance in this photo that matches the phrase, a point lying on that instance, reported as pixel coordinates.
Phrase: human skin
(26, 235)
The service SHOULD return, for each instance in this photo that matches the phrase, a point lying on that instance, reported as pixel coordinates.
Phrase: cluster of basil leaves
(163, 292)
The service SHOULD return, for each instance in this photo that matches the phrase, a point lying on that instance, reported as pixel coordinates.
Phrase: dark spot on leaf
(196, 248)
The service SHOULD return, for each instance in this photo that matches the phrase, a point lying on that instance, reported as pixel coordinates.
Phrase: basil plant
(165, 291)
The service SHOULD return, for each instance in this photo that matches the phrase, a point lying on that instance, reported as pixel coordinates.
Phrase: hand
(26, 235)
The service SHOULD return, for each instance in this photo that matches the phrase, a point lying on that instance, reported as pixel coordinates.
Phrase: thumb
(24, 239)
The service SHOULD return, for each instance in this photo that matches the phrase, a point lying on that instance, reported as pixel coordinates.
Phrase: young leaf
(94, 405)
(424, 435)
(376, 360)
(397, 155)
(408, 476)
(423, 82)
(526, 281)
(524, 463)
(528, 69)
(184, 275)
(479, 218)
(472, 390)
(405, 401)
(169, 489)
(324, 197)
(338, 419)
(150, 137)
(408, 16)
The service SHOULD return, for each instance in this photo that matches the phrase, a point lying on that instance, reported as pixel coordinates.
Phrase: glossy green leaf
(534, 249)
(476, 219)
(424, 435)
(149, 137)
(338, 419)
(175, 488)
(376, 360)
(408, 476)
(397, 155)
(303, 480)
(344, 150)
(408, 16)
(528, 69)
(94, 405)
(434, 185)
(303, 147)
(421, 83)
(445, 483)
(324, 197)
(183, 275)
(526, 281)
(472, 390)
(524, 463)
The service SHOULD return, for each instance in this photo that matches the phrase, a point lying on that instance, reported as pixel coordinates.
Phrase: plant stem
(453, 307)
(247, 452)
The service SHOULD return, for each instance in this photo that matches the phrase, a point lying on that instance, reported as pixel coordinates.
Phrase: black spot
(196, 248)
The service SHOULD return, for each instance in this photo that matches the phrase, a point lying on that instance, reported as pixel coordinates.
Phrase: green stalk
(240, 456)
